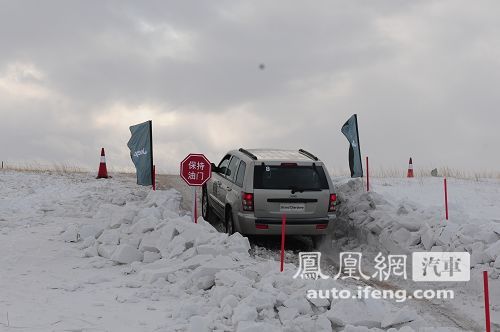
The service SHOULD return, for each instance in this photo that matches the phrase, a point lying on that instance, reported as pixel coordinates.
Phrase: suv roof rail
(248, 153)
(308, 154)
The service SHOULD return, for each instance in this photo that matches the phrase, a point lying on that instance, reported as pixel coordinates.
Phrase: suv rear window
(289, 177)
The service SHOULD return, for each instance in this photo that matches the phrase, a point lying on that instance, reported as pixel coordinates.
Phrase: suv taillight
(247, 201)
(333, 201)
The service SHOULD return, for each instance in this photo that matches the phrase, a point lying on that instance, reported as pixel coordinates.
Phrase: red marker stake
(446, 198)
(486, 302)
(367, 175)
(283, 223)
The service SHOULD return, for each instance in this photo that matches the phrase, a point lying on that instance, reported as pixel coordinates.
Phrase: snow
(404, 315)
(493, 251)
(71, 234)
(108, 255)
(357, 313)
(398, 220)
(150, 257)
(126, 254)
(400, 216)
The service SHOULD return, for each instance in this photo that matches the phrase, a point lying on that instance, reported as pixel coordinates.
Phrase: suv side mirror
(214, 168)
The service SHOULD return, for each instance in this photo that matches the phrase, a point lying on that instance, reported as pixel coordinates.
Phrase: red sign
(196, 169)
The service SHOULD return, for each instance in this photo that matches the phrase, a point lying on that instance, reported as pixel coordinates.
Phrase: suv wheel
(317, 240)
(206, 210)
(229, 222)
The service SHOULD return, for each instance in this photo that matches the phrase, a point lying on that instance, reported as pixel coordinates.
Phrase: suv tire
(229, 222)
(206, 210)
(317, 240)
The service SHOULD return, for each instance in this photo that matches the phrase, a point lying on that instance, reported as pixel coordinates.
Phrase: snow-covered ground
(469, 201)
(401, 216)
(82, 254)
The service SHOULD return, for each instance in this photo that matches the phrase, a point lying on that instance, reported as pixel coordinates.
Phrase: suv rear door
(226, 181)
(299, 190)
(216, 186)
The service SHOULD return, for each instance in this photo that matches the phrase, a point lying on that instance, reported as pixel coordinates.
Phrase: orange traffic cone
(410, 170)
(103, 171)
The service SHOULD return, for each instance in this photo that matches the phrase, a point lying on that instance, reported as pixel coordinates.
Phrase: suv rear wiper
(295, 189)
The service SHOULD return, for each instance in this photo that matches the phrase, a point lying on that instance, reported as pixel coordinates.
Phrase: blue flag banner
(350, 130)
(141, 152)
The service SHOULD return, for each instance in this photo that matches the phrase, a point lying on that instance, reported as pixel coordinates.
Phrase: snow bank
(212, 278)
(404, 226)
(393, 223)
(146, 266)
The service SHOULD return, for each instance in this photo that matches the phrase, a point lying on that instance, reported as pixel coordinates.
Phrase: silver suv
(250, 190)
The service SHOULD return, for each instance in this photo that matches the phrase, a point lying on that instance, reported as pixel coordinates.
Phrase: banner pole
(367, 175)
(154, 178)
(151, 150)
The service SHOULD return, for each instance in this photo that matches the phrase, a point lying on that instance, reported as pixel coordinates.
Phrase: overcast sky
(423, 77)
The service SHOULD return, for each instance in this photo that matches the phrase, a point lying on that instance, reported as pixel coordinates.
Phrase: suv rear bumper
(247, 223)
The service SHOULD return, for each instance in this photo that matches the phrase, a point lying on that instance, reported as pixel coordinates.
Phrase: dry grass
(389, 172)
(121, 170)
(394, 172)
(60, 168)
(475, 175)
(380, 172)
(38, 167)
(338, 172)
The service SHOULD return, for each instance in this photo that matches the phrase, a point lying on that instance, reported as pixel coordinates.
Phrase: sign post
(446, 198)
(196, 170)
(283, 226)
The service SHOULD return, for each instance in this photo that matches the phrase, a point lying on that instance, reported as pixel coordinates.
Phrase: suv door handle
(228, 188)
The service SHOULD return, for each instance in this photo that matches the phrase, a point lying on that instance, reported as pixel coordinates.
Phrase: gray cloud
(422, 76)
